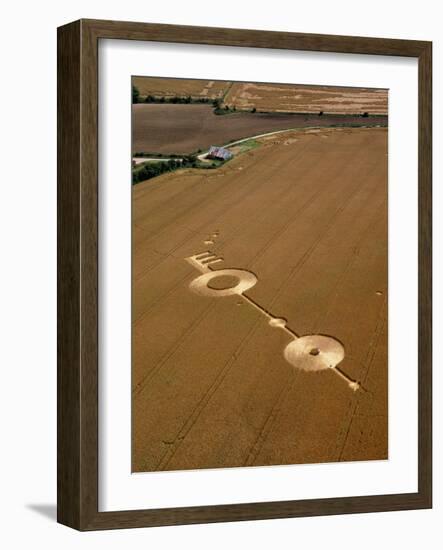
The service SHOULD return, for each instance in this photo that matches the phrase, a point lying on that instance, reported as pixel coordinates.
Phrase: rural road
(201, 156)
(173, 128)
(141, 160)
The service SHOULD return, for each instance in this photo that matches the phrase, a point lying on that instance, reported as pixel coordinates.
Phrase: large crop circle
(314, 352)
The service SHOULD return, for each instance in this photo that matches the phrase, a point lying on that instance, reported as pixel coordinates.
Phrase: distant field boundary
(219, 109)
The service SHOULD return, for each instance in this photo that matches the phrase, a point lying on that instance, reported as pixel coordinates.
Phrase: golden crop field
(305, 213)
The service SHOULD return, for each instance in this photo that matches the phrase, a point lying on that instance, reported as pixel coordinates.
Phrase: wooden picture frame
(78, 274)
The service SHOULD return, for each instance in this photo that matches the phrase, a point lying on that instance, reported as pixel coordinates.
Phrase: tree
(253, 110)
(190, 159)
(135, 94)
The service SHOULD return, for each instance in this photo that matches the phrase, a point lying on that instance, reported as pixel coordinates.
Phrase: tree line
(217, 103)
(150, 98)
(153, 169)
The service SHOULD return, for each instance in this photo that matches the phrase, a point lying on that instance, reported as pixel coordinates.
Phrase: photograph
(259, 274)
(220, 288)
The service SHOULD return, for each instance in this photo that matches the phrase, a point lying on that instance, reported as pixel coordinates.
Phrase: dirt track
(183, 129)
(307, 213)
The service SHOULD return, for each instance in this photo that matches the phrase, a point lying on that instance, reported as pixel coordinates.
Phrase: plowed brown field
(179, 129)
(307, 213)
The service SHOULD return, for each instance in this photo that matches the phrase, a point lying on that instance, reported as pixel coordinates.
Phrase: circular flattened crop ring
(246, 280)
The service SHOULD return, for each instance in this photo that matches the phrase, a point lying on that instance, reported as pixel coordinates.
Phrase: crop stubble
(182, 87)
(271, 97)
(307, 99)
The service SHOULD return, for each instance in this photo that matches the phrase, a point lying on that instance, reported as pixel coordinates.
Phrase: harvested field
(181, 129)
(306, 212)
(168, 87)
(307, 99)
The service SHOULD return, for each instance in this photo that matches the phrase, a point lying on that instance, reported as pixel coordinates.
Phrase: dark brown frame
(77, 455)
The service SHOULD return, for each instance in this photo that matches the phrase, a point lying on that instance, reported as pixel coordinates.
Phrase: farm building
(219, 153)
